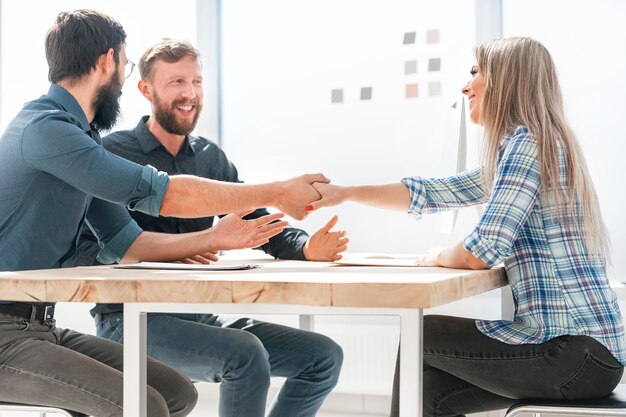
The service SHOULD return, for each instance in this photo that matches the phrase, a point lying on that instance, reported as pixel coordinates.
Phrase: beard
(166, 116)
(107, 104)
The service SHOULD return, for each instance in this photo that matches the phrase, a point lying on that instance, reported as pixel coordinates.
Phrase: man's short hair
(168, 50)
(77, 39)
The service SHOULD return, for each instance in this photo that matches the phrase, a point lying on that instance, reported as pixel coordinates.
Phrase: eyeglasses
(128, 68)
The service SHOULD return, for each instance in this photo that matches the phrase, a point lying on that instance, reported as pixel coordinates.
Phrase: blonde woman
(543, 221)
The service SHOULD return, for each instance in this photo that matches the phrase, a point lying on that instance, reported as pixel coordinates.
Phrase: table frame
(135, 343)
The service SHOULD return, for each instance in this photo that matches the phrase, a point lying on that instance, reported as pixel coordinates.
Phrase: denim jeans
(44, 365)
(466, 371)
(241, 354)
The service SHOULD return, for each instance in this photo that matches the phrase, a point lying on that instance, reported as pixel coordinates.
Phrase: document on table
(380, 260)
(188, 267)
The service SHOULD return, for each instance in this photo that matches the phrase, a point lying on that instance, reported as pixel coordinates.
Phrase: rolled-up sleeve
(432, 195)
(113, 227)
(115, 249)
(155, 183)
(515, 192)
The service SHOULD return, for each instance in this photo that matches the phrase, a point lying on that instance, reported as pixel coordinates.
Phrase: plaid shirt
(558, 287)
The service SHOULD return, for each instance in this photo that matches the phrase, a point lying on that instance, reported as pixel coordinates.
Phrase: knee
(248, 359)
(177, 399)
(329, 360)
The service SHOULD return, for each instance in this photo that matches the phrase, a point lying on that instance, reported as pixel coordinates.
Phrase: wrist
(210, 240)
(305, 250)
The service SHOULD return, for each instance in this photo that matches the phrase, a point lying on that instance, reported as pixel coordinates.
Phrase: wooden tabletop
(276, 282)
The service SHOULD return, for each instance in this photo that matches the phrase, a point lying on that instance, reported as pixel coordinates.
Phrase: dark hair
(77, 39)
(168, 50)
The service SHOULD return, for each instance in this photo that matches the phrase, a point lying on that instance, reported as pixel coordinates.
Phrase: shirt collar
(148, 142)
(69, 104)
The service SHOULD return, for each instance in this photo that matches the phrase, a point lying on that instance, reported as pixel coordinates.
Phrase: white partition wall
(23, 67)
(587, 40)
(360, 90)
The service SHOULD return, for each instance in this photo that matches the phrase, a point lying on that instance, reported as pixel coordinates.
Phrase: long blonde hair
(522, 89)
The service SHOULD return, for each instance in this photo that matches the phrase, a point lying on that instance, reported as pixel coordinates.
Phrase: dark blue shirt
(55, 175)
(198, 156)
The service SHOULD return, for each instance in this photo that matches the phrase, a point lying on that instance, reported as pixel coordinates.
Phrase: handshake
(298, 196)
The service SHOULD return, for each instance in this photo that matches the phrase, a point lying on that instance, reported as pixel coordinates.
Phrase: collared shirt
(558, 287)
(54, 175)
(198, 156)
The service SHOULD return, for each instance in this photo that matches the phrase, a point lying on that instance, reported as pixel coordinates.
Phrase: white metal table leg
(411, 341)
(134, 361)
(307, 322)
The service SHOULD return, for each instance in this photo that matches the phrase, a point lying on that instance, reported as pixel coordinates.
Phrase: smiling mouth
(185, 108)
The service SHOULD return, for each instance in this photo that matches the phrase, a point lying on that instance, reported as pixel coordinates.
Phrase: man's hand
(203, 258)
(297, 193)
(233, 232)
(325, 245)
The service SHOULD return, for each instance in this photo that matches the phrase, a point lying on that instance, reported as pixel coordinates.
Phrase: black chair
(613, 405)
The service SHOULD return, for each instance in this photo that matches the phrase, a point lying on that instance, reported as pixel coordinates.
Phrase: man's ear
(145, 90)
(106, 62)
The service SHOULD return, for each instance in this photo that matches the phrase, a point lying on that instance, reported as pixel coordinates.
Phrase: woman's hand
(325, 245)
(330, 195)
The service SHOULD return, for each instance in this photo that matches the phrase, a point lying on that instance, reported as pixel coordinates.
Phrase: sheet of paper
(379, 260)
(188, 267)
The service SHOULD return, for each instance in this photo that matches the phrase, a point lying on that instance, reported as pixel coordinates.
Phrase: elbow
(473, 262)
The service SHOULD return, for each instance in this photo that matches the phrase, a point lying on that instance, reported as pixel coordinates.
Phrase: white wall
(24, 70)
(281, 60)
(587, 39)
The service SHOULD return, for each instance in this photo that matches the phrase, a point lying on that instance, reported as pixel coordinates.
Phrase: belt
(29, 311)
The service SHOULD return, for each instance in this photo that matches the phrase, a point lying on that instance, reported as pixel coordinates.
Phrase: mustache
(185, 102)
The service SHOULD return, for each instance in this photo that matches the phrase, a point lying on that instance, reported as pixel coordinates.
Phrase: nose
(189, 91)
(465, 90)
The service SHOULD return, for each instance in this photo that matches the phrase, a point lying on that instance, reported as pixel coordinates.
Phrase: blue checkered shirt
(558, 287)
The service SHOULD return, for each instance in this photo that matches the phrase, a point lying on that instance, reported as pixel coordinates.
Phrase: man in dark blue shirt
(241, 353)
(54, 176)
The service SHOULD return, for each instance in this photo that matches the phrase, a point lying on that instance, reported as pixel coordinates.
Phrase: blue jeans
(44, 365)
(466, 371)
(241, 354)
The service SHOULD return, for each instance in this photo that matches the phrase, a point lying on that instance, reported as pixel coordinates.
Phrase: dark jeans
(43, 365)
(242, 354)
(468, 372)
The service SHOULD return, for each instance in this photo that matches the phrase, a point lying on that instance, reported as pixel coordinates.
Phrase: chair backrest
(43, 411)
(613, 405)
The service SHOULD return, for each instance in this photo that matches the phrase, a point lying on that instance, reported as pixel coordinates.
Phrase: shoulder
(46, 128)
(521, 140)
(122, 139)
(202, 144)
(207, 148)
(48, 117)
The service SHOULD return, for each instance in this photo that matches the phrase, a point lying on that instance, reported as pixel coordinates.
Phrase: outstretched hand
(297, 193)
(233, 232)
(330, 195)
(325, 245)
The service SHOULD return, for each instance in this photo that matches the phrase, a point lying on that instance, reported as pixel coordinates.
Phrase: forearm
(458, 258)
(189, 196)
(393, 196)
(165, 247)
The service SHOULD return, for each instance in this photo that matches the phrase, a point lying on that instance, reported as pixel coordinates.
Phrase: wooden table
(278, 287)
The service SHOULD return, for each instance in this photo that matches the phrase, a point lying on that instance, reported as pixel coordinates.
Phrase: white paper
(380, 260)
(188, 267)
